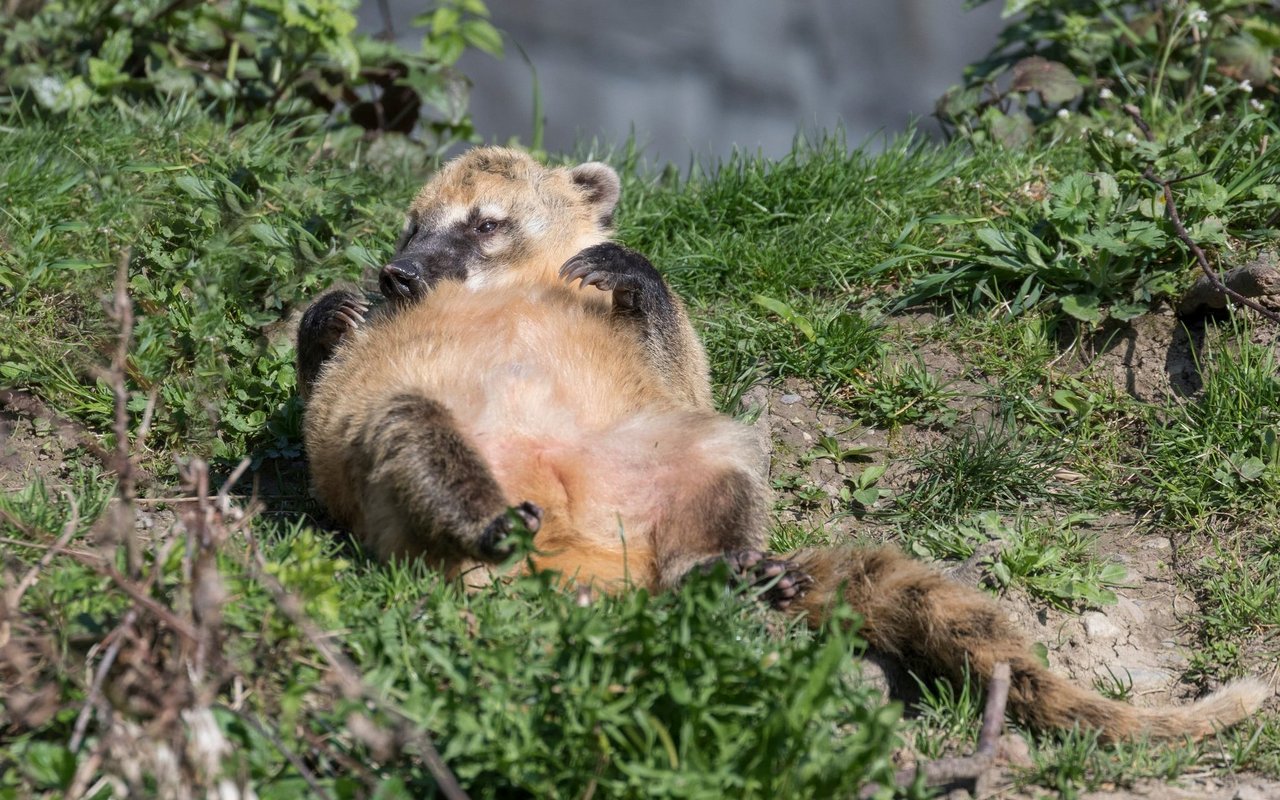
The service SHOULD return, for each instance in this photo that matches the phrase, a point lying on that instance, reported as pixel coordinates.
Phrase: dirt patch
(1156, 356)
(1140, 641)
(1141, 645)
(38, 448)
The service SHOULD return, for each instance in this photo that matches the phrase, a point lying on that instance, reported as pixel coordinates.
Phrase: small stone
(789, 399)
(1131, 609)
(1098, 626)
(1158, 543)
(1250, 793)
(1013, 750)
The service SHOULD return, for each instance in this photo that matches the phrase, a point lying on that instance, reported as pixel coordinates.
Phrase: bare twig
(967, 772)
(349, 680)
(1176, 219)
(103, 567)
(124, 514)
(993, 711)
(117, 638)
(290, 756)
(68, 530)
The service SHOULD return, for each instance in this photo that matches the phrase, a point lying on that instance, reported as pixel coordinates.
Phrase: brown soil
(1142, 640)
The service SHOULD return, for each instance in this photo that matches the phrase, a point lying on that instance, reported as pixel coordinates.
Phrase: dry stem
(1181, 230)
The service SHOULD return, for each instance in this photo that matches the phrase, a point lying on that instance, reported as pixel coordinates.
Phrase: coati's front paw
(612, 267)
(325, 324)
(497, 542)
(332, 317)
(782, 581)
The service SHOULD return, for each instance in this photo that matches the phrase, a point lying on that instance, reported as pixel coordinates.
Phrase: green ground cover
(833, 268)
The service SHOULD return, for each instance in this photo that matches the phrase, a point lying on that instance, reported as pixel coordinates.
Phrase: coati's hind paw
(635, 283)
(497, 542)
(782, 581)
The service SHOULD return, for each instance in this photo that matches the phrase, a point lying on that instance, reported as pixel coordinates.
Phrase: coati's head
(495, 215)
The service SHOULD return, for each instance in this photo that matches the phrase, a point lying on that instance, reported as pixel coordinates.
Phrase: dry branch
(124, 514)
(349, 680)
(1176, 219)
(976, 772)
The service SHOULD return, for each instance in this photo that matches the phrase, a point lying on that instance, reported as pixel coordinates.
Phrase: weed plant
(1025, 234)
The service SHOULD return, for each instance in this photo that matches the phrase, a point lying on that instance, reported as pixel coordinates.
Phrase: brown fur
(513, 386)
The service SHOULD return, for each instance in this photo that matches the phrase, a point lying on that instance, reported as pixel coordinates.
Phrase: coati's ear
(601, 186)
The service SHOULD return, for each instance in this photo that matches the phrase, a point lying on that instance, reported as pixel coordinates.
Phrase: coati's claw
(782, 581)
(613, 268)
(495, 542)
(351, 315)
(323, 327)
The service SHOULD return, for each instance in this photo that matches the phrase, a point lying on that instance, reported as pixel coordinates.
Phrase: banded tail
(933, 624)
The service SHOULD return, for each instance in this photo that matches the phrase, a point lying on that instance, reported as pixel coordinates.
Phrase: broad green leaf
(1051, 79)
(787, 313)
(1083, 307)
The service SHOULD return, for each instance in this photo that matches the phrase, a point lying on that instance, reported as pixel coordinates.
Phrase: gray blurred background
(701, 77)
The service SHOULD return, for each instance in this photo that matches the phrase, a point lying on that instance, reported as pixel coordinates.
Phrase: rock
(789, 399)
(1259, 280)
(1097, 627)
(1250, 793)
(1130, 609)
(1013, 750)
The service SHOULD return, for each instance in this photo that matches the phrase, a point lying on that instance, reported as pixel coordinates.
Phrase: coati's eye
(406, 236)
(488, 226)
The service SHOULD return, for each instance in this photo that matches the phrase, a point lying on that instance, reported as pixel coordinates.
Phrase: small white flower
(1210, 90)
(1246, 87)
(1129, 138)
(1107, 132)
(1063, 113)
(1255, 104)
(1215, 118)
(1105, 94)
(1199, 16)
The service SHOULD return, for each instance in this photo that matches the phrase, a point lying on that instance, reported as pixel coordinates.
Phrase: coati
(526, 369)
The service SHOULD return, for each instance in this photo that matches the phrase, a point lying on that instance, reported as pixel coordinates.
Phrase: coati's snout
(424, 258)
(403, 280)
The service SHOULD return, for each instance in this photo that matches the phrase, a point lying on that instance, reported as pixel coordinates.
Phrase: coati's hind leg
(428, 492)
(724, 521)
(330, 319)
(779, 581)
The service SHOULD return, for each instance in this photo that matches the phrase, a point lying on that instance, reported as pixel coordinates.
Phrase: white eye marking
(492, 211)
(537, 226)
(453, 215)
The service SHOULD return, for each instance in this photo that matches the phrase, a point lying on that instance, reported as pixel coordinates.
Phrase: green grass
(795, 269)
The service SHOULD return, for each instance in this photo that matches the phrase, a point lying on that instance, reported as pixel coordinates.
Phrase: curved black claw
(498, 540)
(610, 267)
(779, 582)
(324, 326)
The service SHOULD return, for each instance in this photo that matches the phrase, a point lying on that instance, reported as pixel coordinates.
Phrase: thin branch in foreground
(28, 580)
(1176, 219)
(124, 513)
(974, 772)
(349, 679)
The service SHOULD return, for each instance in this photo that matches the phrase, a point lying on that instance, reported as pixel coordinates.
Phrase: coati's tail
(936, 625)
